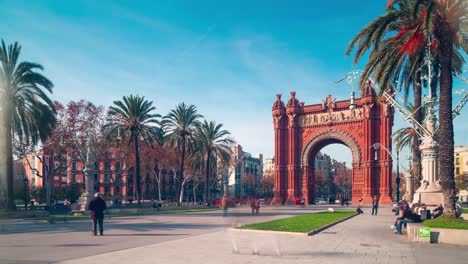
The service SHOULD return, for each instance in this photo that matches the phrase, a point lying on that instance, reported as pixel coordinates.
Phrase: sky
(229, 59)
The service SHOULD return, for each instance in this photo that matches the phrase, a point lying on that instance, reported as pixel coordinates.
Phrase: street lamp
(376, 146)
(25, 181)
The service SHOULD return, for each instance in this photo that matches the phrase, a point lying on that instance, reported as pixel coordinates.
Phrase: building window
(96, 165)
(457, 161)
(106, 165)
(118, 177)
(106, 177)
(117, 165)
(73, 178)
(130, 178)
(117, 190)
(96, 177)
(74, 165)
(106, 189)
(457, 171)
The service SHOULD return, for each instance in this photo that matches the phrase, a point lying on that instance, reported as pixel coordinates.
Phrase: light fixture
(352, 104)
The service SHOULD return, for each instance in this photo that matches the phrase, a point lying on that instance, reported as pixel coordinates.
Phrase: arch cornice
(339, 135)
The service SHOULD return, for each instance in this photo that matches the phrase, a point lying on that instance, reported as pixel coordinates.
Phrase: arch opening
(331, 172)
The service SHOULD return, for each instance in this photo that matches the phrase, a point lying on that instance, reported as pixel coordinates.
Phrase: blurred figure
(438, 211)
(97, 207)
(375, 204)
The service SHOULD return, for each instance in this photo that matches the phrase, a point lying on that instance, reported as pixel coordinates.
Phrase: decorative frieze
(323, 118)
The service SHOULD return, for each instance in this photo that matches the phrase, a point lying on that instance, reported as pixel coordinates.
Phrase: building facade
(245, 173)
(461, 160)
(269, 167)
(113, 177)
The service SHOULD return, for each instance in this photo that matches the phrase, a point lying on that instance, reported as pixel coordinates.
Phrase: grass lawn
(301, 223)
(81, 217)
(465, 210)
(447, 222)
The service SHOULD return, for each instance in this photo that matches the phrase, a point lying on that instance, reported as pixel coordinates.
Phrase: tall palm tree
(445, 21)
(415, 23)
(26, 112)
(133, 119)
(216, 145)
(395, 58)
(180, 125)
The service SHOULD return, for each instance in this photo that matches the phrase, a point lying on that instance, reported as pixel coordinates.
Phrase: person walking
(375, 204)
(97, 207)
(225, 205)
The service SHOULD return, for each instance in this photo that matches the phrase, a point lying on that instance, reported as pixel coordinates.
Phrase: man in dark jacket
(375, 204)
(97, 207)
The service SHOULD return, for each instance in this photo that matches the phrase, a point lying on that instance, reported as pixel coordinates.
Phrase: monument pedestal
(83, 201)
(429, 198)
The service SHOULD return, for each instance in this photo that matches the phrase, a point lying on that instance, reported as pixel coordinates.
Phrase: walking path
(362, 239)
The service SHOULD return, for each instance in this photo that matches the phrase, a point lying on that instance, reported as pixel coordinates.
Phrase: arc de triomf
(302, 130)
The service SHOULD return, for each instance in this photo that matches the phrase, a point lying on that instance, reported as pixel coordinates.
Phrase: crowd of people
(418, 213)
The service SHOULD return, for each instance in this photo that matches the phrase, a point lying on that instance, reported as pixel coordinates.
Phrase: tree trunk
(181, 170)
(181, 196)
(207, 175)
(138, 177)
(194, 194)
(159, 185)
(6, 159)
(417, 167)
(446, 142)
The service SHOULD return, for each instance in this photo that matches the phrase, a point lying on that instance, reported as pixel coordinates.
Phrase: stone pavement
(361, 239)
(37, 242)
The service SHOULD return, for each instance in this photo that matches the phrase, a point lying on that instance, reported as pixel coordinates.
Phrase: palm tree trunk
(6, 161)
(207, 175)
(417, 167)
(138, 177)
(446, 143)
(180, 180)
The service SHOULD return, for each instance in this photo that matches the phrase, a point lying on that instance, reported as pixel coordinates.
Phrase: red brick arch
(301, 131)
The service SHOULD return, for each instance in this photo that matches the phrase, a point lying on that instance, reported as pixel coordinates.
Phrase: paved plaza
(207, 237)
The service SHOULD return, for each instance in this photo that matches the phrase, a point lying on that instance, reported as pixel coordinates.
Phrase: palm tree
(216, 145)
(445, 21)
(26, 112)
(133, 120)
(416, 22)
(180, 125)
(396, 58)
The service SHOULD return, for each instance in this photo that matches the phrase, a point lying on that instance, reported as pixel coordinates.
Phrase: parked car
(321, 201)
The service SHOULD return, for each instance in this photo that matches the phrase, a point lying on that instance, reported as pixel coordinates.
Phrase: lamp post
(397, 180)
(376, 146)
(25, 181)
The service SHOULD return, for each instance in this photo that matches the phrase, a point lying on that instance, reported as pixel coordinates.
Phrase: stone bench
(412, 232)
(438, 235)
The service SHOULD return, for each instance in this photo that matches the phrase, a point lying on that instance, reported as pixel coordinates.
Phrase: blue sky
(229, 59)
